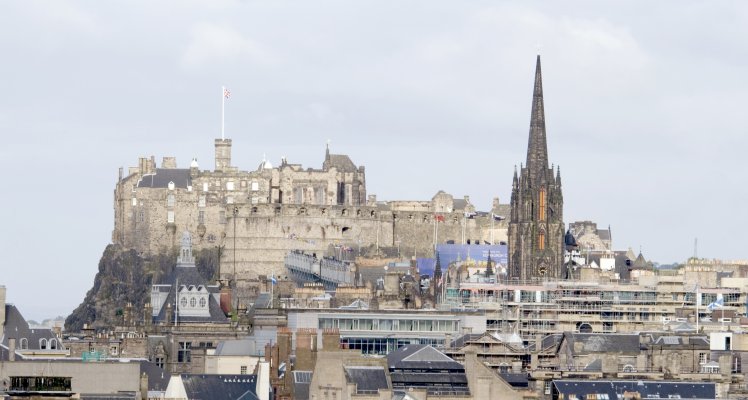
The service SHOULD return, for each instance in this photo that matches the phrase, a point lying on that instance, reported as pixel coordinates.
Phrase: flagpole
(223, 109)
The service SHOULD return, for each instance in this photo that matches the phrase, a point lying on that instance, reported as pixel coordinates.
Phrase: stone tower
(536, 227)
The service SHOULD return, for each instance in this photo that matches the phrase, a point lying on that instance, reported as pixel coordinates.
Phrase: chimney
(262, 388)
(144, 386)
(11, 349)
(284, 345)
(331, 339)
(226, 300)
(304, 355)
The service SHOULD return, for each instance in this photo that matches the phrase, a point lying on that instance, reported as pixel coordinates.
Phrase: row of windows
(408, 325)
(193, 302)
(383, 346)
(44, 344)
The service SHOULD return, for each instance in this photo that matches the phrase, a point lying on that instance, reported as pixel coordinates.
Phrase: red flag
(439, 218)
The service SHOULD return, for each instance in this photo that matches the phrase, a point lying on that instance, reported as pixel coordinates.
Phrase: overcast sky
(645, 111)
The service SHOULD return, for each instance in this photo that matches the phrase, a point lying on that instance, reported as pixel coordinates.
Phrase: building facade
(536, 228)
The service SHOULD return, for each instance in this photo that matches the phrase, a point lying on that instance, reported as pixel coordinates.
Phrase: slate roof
(421, 357)
(603, 342)
(515, 380)
(158, 379)
(422, 366)
(109, 396)
(162, 177)
(17, 327)
(367, 378)
(647, 389)
(188, 275)
(301, 382)
(548, 341)
(464, 340)
(220, 387)
(342, 162)
(680, 340)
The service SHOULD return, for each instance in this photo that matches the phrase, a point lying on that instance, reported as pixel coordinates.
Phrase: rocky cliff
(125, 277)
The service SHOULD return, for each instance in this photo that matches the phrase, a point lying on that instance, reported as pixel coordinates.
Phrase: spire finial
(537, 148)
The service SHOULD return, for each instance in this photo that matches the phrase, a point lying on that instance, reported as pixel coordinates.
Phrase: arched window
(53, 344)
(43, 344)
(183, 302)
(203, 302)
(541, 208)
(541, 240)
(24, 344)
(193, 302)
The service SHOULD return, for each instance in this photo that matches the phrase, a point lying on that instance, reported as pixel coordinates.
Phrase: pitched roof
(646, 389)
(229, 387)
(301, 382)
(17, 327)
(421, 357)
(603, 342)
(162, 177)
(341, 162)
(367, 378)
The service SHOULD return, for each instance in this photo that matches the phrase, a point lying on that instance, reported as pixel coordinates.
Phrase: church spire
(537, 148)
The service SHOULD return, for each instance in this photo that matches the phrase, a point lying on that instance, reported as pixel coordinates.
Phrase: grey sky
(644, 105)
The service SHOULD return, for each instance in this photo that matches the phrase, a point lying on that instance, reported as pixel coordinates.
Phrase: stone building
(536, 228)
(254, 218)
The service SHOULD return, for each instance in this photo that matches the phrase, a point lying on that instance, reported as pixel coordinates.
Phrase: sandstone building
(255, 218)
(536, 227)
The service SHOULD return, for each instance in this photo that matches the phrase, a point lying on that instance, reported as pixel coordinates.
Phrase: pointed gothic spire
(515, 181)
(558, 176)
(537, 148)
(437, 268)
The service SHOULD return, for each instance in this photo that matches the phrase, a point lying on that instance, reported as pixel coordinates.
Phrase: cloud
(216, 44)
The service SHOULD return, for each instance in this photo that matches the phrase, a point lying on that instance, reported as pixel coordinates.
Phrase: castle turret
(223, 154)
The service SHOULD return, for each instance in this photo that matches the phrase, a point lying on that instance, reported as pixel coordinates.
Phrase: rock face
(125, 277)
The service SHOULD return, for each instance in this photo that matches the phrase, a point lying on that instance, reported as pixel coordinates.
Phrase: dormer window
(171, 185)
(203, 302)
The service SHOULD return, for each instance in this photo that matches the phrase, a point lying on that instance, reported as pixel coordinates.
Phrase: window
(703, 358)
(203, 302)
(243, 370)
(201, 217)
(541, 240)
(184, 355)
(541, 208)
(201, 201)
(230, 185)
(53, 344)
(134, 202)
(205, 186)
(43, 344)
(183, 302)
(170, 217)
(229, 199)
(160, 362)
(24, 344)
(255, 186)
(170, 200)
(141, 216)
(193, 302)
